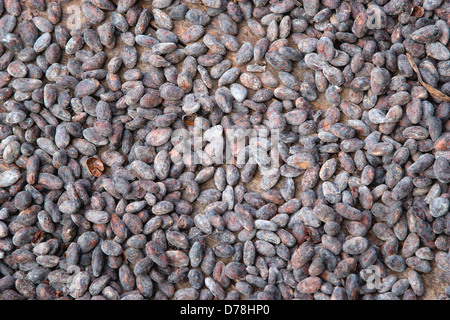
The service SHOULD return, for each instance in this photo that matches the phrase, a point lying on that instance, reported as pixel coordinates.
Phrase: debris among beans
(133, 134)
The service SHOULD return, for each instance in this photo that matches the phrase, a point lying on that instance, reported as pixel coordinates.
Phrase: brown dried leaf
(38, 237)
(417, 11)
(189, 120)
(414, 66)
(95, 166)
(433, 91)
(436, 93)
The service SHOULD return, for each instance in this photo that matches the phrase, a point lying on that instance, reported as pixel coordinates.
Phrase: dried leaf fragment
(189, 120)
(95, 166)
(433, 91)
(417, 11)
(38, 237)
